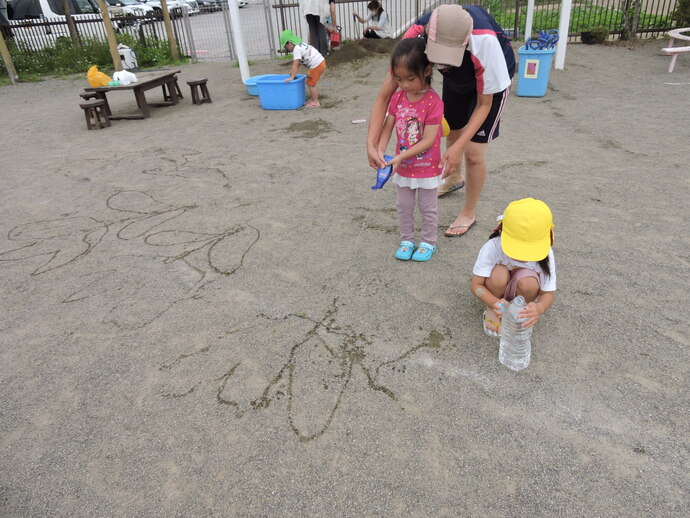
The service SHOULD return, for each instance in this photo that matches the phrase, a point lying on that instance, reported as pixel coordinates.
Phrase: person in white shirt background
(379, 24)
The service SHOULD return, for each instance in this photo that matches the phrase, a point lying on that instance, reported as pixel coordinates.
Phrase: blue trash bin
(534, 70)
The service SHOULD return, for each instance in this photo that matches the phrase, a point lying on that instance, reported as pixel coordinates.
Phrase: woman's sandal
(449, 233)
(490, 332)
(453, 188)
(405, 251)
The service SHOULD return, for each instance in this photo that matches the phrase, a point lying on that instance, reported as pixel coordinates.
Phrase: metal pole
(529, 19)
(282, 15)
(304, 28)
(563, 27)
(269, 29)
(515, 20)
(239, 40)
(228, 30)
(110, 35)
(190, 36)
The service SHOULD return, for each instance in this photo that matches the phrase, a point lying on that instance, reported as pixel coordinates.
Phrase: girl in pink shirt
(416, 112)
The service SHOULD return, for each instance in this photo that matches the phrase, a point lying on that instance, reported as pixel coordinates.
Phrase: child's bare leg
(314, 97)
(496, 284)
(528, 287)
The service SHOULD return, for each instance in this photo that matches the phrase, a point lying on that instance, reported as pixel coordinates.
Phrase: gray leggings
(428, 206)
(317, 34)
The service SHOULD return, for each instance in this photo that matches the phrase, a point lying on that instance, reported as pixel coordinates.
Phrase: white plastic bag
(125, 77)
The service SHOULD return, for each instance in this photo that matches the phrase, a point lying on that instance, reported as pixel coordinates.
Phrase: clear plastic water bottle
(515, 348)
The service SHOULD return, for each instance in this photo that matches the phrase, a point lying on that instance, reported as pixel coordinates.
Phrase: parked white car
(172, 5)
(131, 7)
(33, 9)
(193, 6)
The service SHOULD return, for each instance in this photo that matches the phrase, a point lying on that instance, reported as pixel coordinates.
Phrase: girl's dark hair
(374, 5)
(410, 54)
(544, 263)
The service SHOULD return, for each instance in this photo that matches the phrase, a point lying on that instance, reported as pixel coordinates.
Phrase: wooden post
(172, 41)
(110, 34)
(7, 59)
(70, 24)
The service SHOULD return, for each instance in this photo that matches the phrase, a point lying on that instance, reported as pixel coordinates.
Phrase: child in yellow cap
(309, 57)
(517, 260)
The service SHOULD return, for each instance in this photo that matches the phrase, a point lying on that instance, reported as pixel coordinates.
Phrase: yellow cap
(445, 126)
(526, 232)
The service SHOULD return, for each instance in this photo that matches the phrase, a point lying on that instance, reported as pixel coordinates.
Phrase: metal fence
(208, 36)
(654, 18)
(40, 33)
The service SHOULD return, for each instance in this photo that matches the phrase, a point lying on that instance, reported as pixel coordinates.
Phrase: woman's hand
(289, 79)
(451, 161)
(376, 159)
(532, 312)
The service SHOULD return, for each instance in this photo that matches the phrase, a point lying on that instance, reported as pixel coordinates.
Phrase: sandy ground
(202, 314)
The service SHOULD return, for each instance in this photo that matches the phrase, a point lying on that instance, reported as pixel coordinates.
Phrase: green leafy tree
(682, 13)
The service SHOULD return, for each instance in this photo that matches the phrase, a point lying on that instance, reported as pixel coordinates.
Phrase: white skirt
(418, 183)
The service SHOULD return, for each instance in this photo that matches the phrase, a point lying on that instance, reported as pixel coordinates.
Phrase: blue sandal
(424, 252)
(405, 251)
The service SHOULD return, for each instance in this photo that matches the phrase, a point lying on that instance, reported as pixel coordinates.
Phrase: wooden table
(146, 81)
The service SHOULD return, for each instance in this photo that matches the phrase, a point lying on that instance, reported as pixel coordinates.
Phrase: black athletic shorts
(458, 107)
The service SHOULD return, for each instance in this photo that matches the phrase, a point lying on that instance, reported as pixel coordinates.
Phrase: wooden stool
(94, 95)
(195, 93)
(95, 114)
(166, 95)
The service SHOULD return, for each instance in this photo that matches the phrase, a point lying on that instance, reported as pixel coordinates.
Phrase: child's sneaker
(424, 252)
(405, 251)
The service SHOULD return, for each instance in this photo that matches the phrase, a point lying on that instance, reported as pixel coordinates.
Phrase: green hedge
(581, 18)
(65, 58)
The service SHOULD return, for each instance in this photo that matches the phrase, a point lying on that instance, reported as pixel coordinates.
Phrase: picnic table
(676, 34)
(166, 79)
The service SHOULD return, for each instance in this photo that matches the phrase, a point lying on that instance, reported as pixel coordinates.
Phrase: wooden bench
(87, 96)
(674, 51)
(199, 83)
(95, 114)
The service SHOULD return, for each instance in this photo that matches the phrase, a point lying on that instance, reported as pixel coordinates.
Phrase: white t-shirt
(308, 55)
(491, 254)
(316, 7)
(382, 23)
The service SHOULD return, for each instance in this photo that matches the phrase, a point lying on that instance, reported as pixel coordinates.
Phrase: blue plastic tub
(276, 94)
(534, 71)
(252, 87)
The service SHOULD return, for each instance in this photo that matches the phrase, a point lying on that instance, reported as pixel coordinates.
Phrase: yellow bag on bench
(97, 78)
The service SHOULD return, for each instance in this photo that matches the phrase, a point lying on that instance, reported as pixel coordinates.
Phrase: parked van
(34, 9)
(36, 24)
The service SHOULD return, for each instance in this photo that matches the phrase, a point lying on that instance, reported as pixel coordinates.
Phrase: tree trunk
(7, 59)
(70, 24)
(172, 41)
(110, 35)
(631, 17)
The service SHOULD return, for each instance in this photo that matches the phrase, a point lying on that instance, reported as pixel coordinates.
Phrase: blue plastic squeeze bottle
(383, 174)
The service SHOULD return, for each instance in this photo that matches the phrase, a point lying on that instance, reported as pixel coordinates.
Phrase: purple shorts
(515, 276)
